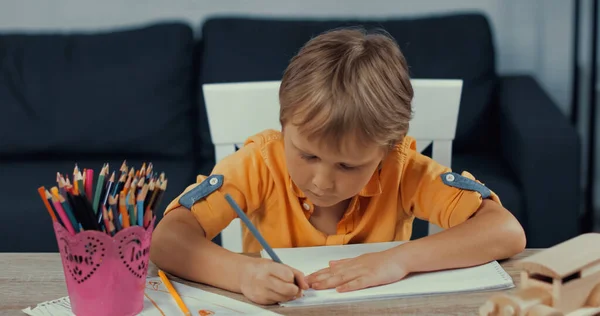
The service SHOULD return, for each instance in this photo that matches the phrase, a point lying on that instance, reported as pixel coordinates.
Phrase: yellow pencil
(174, 293)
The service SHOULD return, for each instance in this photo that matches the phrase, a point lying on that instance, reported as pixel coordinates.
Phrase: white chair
(230, 105)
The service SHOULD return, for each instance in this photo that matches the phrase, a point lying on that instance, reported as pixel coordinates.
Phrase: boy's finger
(336, 262)
(300, 279)
(315, 275)
(356, 284)
(282, 272)
(277, 297)
(335, 280)
(286, 289)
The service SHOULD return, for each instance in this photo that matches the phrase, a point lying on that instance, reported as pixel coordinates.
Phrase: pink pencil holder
(105, 274)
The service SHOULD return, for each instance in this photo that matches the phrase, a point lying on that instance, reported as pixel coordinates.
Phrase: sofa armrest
(543, 150)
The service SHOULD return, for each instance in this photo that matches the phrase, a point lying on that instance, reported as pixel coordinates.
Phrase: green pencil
(99, 186)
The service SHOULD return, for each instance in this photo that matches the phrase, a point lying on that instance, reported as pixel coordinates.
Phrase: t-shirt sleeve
(434, 193)
(243, 175)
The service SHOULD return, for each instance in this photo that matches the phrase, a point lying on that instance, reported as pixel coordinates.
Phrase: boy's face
(326, 176)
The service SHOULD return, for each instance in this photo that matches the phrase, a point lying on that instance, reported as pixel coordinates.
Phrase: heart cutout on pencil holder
(82, 254)
(105, 275)
(134, 250)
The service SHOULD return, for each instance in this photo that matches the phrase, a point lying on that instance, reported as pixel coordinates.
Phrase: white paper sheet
(196, 300)
(485, 277)
(158, 302)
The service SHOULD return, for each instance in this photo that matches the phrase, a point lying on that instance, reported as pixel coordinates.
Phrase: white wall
(532, 36)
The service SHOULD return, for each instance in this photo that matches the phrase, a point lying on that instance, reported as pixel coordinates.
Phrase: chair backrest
(230, 105)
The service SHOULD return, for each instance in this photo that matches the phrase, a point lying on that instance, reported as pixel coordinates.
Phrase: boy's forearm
(180, 248)
(492, 234)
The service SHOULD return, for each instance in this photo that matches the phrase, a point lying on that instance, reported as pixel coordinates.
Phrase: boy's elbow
(159, 249)
(509, 235)
(514, 238)
(519, 240)
(164, 237)
(174, 239)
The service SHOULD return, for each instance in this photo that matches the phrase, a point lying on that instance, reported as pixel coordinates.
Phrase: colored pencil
(104, 205)
(99, 187)
(140, 205)
(109, 228)
(252, 229)
(63, 215)
(42, 192)
(108, 188)
(173, 293)
(149, 171)
(113, 209)
(123, 209)
(89, 181)
(49, 199)
(65, 207)
(151, 185)
(143, 170)
(77, 177)
(130, 202)
(120, 184)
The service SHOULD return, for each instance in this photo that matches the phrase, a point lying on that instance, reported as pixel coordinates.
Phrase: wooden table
(28, 279)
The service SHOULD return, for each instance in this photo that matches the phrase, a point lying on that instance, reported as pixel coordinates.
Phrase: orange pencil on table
(174, 293)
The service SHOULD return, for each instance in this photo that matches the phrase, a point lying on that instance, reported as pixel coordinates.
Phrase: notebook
(486, 277)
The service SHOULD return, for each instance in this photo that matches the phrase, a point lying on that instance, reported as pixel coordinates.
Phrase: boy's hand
(266, 282)
(364, 271)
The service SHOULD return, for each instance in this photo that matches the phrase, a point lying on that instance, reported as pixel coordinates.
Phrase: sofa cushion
(26, 225)
(496, 175)
(492, 172)
(451, 46)
(124, 91)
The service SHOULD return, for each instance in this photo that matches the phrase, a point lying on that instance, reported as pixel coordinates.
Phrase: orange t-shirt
(408, 185)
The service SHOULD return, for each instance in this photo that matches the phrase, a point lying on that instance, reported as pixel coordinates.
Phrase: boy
(342, 170)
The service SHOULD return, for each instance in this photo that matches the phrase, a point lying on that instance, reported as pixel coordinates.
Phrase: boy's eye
(307, 157)
(346, 167)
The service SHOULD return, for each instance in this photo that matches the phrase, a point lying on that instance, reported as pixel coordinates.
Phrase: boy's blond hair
(348, 82)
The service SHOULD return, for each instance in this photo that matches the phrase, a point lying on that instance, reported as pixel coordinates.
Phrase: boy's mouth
(316, 195)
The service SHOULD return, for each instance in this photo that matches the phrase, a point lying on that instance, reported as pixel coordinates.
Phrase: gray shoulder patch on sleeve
(206, 187)
(458, 181)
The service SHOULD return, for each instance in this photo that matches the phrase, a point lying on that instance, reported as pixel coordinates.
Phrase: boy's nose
(322, 184)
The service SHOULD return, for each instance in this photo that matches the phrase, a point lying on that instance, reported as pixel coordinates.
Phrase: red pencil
(62, 214)
(89, 182)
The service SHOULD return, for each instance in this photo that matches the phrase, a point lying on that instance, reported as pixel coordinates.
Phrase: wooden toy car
(561, 280)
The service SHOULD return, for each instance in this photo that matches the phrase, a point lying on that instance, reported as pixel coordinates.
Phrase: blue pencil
(140, 213)
(255, 232)
(252, 229)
